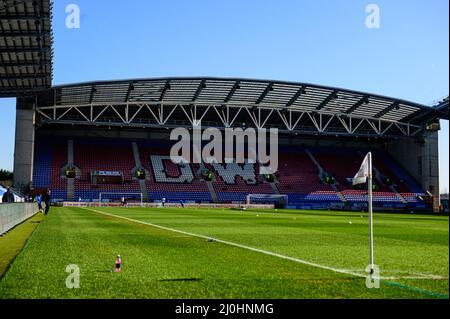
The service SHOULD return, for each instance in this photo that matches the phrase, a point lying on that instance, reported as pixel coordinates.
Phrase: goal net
(106, 197)
(279, 201)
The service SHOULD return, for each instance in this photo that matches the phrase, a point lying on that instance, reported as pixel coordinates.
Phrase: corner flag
(365, 174)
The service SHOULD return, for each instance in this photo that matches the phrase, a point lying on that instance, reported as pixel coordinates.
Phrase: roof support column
(24, 144)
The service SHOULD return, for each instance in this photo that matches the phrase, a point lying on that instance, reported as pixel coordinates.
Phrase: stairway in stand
(137, 161)
(321, 170)
(70, 181)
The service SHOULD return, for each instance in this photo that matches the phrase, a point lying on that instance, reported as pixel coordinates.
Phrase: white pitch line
(301, 261)
(408, 275)
(414, 276)
(431, 276)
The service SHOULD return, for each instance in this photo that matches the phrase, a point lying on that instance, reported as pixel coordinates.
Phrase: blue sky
(324, 42)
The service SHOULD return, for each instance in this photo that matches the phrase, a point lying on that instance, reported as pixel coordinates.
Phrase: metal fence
(14, 214)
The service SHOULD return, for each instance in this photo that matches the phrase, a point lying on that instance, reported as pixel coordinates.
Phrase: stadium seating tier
(297, 175)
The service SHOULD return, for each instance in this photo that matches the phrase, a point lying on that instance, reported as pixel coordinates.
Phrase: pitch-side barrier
(13, 214)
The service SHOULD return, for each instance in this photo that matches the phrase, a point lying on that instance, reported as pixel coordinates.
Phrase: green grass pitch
(265, 254)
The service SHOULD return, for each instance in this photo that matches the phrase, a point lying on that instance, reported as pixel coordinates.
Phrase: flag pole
(369, 198)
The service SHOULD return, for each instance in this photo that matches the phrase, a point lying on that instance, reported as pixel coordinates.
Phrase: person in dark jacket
(46, 198)
(8, 197)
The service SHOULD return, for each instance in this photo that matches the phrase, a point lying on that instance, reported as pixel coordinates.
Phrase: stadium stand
(114, 156)
(58, 185)
(298, 176)
(42, 163)
(388, 167)
(324, 134)
(233, 182)
(168, 180)
(341, 163)
(49, 159)
(361, 196)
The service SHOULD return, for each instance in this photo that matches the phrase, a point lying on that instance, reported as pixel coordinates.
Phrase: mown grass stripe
(12, 242)
(305, 262)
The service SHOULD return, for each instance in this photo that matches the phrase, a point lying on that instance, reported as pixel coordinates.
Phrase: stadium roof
(301, 96)
(250, 92)
(25, 47)
(225, 102)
